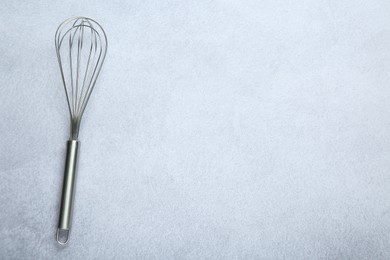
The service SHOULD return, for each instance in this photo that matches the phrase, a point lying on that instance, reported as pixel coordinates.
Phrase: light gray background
(217, 130)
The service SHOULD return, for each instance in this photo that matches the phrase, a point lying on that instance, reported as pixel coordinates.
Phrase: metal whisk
(81, 46)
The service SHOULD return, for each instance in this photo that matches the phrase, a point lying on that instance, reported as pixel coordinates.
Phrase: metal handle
(68, 187)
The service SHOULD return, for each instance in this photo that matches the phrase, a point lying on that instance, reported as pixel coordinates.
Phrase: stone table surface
(246, 129)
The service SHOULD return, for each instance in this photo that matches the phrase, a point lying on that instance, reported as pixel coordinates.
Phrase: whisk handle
(68, 188)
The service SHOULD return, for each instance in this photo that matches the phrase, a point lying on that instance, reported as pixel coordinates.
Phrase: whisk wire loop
(81, 46)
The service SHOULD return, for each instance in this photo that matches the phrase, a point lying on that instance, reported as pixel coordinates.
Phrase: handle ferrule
(68, 188)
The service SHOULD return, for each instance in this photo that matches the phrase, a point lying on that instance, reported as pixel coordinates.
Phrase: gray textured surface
(218, 130)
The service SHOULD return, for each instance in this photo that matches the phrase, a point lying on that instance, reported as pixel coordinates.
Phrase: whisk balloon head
(81, 46)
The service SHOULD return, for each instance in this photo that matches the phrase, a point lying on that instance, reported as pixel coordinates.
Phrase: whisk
(81, 46)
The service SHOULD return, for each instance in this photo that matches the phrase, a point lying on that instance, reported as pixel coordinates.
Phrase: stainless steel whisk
(81, 46)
